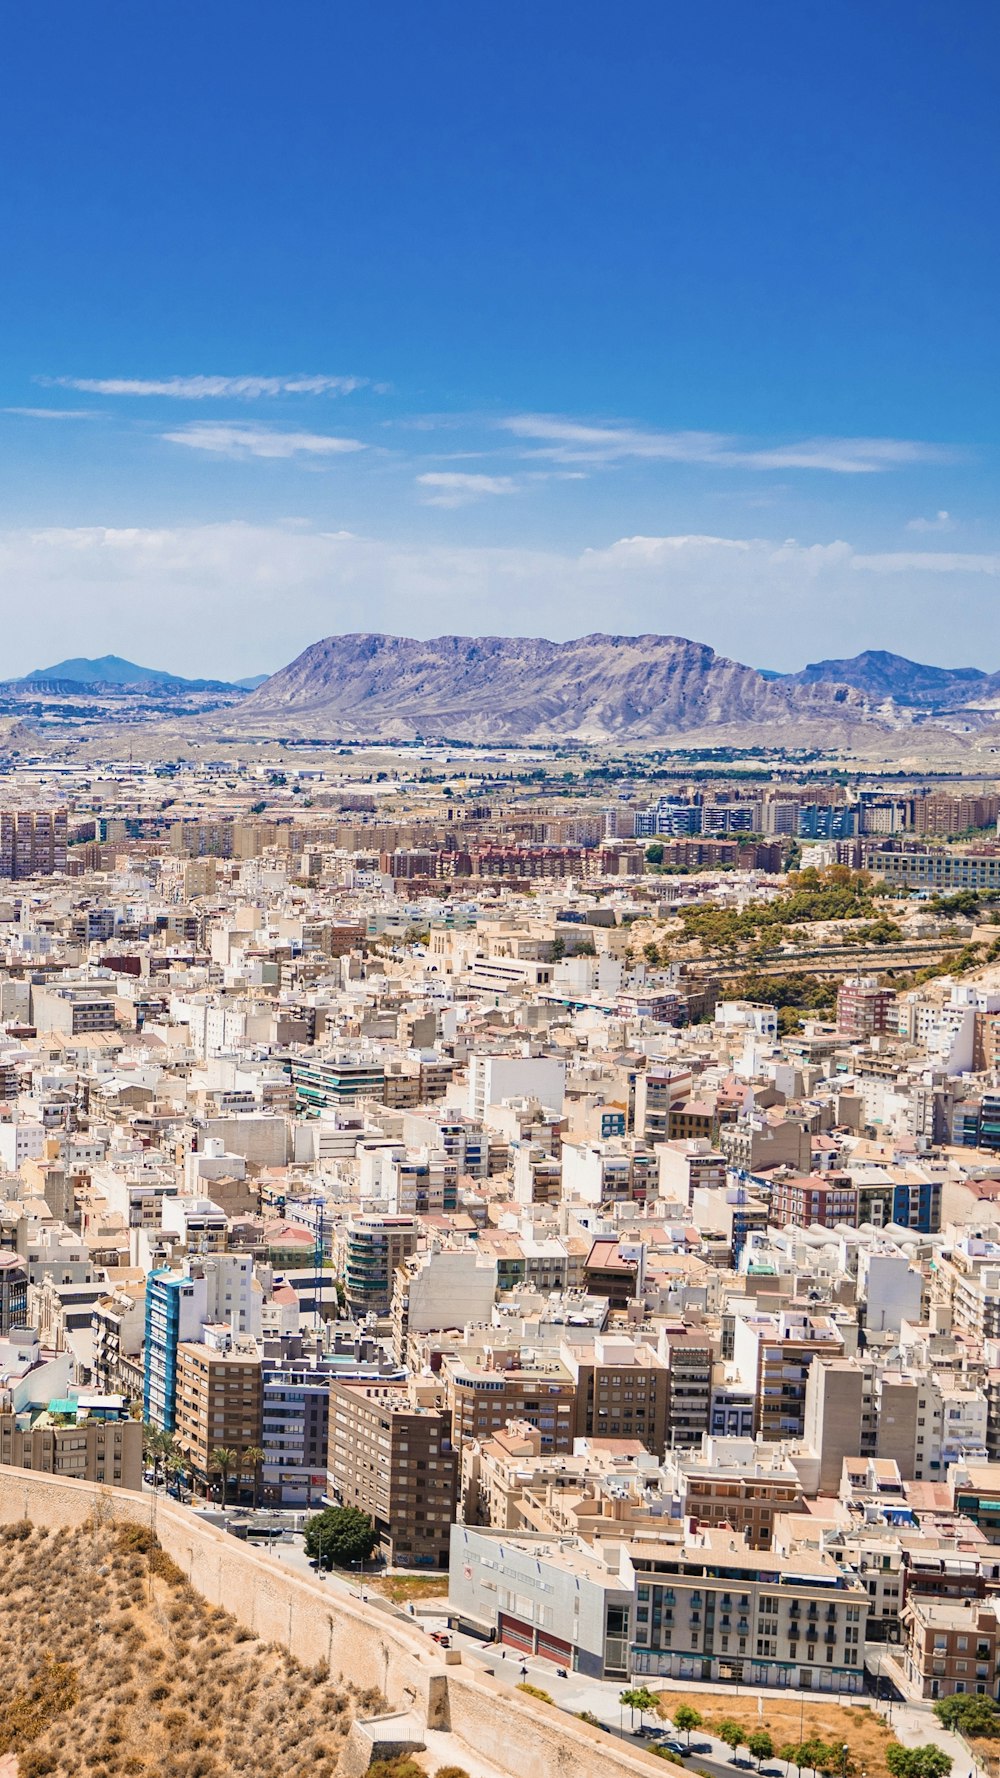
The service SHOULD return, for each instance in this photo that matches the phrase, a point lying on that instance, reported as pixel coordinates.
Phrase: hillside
(112, 670)
(111, 1665)
(880, 675)
(518, 688)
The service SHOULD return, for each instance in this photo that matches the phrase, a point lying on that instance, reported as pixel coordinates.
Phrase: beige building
(950, 1646)
(622, 1390)
(392, 1457)
(485, 1390)
(88, 1448)
(219, 1397)
(717, 1610)
(738, 1483)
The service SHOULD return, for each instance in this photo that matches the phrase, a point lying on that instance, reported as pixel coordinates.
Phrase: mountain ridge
(881, 674)
(518, 688)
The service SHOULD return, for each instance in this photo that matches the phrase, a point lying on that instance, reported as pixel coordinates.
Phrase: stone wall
(517, 1734)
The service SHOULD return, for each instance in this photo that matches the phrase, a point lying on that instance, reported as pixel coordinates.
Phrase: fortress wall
(359, 1642)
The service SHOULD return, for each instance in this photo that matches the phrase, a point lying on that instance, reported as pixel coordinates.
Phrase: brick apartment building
(392, 1457)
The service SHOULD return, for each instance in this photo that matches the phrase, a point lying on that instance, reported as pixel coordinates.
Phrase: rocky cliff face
(516, 688)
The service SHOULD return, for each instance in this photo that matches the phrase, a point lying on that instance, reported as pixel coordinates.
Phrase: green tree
(731, 1732)
(760, 1745)
(687, 1718)
(814, 1755)
(339, 1536)
(251, 1463)
(629, 1697)
(640, 1698)
(969, 1713)
(175, 1465)
(917, 1762)
(222, 1461)
(790, 1754)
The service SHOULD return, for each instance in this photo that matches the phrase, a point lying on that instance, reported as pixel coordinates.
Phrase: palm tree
(222, 1460)
(155, 1446)
(175, 1464)
(250, 1464)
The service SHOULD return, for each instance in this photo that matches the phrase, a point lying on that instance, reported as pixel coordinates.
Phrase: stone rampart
(515, 1733)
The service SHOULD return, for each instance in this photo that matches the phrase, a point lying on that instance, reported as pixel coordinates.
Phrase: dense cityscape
(582, 1178)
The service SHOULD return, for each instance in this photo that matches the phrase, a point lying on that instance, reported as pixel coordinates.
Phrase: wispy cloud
(753, 598)
(942, 521)
(201, 388)
(451, 488)
(928, 562)
(238, 442)
(55, 413)
(567, 441)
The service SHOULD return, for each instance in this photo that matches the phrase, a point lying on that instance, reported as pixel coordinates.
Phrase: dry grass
(795, 1718)
(401, 1588)
(111, 1666)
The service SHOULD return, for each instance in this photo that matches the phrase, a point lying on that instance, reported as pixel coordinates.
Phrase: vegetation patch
(139, 1677)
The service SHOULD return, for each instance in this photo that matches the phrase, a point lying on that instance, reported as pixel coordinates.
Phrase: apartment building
(295, 1423)
(557, 1602)
(218, 1289)
(73, 1010)
(622, 1390)
(392, 1457)
(772, 1354)
(421, 1184)
(951, 1646)
(117, 1321)
(486, 1389)
(374, 1247)
(219, 1401)
(88, 1439)
(442, 1289)
(688, 1357)
(323, 1082)
(32, 844)
(737, 1483)
(13, 1293)
(966, 1281)
(865, 1008)
(716, 1610)
(942, 870)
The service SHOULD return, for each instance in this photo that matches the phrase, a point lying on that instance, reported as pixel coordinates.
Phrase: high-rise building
(218, 1403)
(393, 1458)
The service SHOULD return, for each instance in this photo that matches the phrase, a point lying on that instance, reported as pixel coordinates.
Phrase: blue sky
(541, 319)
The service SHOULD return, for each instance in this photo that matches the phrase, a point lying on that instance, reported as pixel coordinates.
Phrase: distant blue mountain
(111, 669)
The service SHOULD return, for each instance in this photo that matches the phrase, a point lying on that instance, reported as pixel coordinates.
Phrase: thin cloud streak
(56, 413)
(201, 388)
(241, 442)
(566, 441)
(451, 488)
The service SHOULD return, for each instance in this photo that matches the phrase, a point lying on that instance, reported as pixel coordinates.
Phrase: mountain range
(642, 688)
(509, 689)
